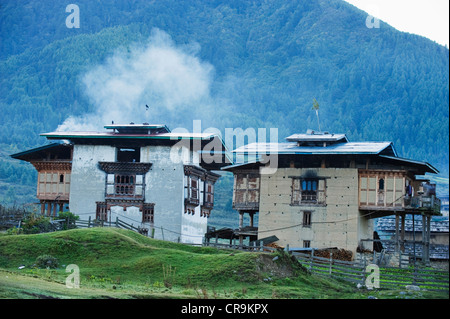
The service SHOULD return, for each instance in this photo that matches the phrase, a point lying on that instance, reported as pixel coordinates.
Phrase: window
(61, 178)
(192, 190)
(381, 184)
(307, 219)
(208, 199)
(124, 184)
(129, 155)
(306, 244)
(101, 211)
(307, 191)
(148, 213)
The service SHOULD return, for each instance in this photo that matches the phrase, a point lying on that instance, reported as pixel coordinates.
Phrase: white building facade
(141, 174)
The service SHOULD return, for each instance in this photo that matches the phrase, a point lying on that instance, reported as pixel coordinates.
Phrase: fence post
(89, 222)
(311, 260)
(261, 246)
(331, 261)
(117, 221)
(363, 272)
(414, 274)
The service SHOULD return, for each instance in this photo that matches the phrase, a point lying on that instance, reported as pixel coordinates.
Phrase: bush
(70, 220)
(14, 231)
(46, 261)
(35, 224)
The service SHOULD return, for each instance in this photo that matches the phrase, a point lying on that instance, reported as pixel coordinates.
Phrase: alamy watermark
(258, 146)
(373, 279)
(371, 20)
(73, 280)
(73, 19)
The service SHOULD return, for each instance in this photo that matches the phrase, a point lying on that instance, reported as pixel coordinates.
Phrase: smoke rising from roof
(170, 79)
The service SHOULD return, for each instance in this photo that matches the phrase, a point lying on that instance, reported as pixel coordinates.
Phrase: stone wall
(88, 180)
(337, 223)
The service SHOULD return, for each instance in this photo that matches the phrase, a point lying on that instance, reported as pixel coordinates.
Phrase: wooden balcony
(246, 192)
(246, 205)
(427, 204)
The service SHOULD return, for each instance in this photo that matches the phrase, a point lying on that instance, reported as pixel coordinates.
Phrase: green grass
(117, 263)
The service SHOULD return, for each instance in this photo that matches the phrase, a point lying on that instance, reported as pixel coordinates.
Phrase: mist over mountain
(230, 64)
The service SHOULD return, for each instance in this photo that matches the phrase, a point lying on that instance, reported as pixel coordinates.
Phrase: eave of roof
(427, 167)
(20, 155)
(239, 165)
(109, 135)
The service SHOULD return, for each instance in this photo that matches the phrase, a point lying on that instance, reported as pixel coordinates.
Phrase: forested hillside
(261, 62)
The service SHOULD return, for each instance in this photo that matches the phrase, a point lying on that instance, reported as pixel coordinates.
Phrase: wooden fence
(117, 223)
(251, 247)
(356, 272)
(389, 277)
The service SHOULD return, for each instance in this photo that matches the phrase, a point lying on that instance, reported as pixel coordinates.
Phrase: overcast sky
(429, 18)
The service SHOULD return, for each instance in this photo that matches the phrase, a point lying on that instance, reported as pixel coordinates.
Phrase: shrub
(34, 224)
(14, 231)
(70, 219)
(46, 261)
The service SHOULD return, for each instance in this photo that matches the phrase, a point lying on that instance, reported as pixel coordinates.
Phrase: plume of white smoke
(170, 79)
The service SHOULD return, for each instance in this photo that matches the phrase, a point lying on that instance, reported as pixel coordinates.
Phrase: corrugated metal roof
(293, 148)
(170, 136)
(387, 224)
(174, 136)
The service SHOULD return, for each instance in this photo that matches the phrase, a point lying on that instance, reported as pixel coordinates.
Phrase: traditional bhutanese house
(324, 191)
(142, 173)
(54, 165)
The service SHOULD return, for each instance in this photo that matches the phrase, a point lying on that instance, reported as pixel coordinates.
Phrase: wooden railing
(117, 223)
(421, 202)
(390, 277)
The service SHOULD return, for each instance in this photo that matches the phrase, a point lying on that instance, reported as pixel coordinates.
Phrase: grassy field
(115, 263)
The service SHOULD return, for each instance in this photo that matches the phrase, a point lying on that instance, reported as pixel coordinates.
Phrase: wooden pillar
(426, 227)
(49, 209)
(241, 225)
(42, 208)
(397, 236)
(251, 219)
(424, 238)
(402, 245)
(428, 238)
(241, 219)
